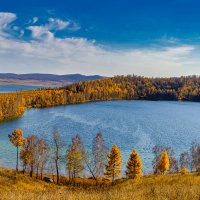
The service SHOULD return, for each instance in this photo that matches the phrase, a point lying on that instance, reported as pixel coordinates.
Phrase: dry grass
(169, 187)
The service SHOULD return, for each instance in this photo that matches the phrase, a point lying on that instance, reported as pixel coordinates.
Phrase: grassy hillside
(168, 187)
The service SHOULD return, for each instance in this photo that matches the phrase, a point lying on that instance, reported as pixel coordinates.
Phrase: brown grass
(168, 187)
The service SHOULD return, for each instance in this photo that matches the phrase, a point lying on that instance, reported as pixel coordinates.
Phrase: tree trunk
(74, 178)
(41, 172)
(37, 171)
(17, 158)
(31, 172)
(57, 172)
(24, 169)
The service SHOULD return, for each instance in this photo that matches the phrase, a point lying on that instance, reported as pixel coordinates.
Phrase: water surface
(14, 88)
(129, 124)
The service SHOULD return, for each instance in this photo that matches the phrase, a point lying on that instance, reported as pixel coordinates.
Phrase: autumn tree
(134, 165)
(157, 152)
(17, 140)
(29, 154)
(183, 170)
(173, 163)
(164, 164)
(96, 160)
(184, 160)
(75, 157)
(113, 168)
(195, 154)
(24, 157)
(99, 151)
(56, 148)
(42, 148)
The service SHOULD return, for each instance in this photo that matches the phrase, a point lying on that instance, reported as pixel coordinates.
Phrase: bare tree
(195, 155)
(157, 150)
(42, 156)
(99, 151)
(56, 147)
(184, 160)
(97, 159)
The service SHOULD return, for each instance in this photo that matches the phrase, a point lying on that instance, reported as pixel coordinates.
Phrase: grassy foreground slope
(168, 187)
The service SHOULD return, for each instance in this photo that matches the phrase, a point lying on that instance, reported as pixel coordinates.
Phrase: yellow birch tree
(17, 140)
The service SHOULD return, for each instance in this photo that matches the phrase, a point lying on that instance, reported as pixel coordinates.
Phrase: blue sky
(151, 38)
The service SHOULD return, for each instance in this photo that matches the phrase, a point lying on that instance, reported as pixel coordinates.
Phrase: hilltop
(44, 79)
(179, 187)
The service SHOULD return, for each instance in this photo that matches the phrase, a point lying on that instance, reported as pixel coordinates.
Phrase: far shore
(32, 82)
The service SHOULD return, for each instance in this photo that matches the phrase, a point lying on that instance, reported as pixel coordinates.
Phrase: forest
(129, 87)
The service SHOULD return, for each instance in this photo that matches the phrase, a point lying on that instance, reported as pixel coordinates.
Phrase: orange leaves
(113, 168)
(13, 105)
(134, 165)
(164, 164)
(17, 138)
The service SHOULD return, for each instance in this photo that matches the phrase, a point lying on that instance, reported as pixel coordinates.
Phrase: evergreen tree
(134, 165)
(164, 164)
(113, 168)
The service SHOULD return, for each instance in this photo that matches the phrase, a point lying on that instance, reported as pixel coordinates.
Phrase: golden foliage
(164, 164)
(184, 170)
(13, 105)
(17, 138)
(113, 168)
(134, 165)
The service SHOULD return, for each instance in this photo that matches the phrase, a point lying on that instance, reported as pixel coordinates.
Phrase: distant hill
(50, 77)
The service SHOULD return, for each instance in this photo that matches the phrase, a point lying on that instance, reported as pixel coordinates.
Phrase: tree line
(119, 87)
(38, 156)
(13, 105)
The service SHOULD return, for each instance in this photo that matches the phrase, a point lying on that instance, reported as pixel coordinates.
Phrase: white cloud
(40, 32)
(79, 55)
(35, 19)
(47, 31)
(57, 24)
(71, 55)
(5, 20)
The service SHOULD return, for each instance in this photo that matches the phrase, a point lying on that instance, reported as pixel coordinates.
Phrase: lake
(14, 88)
(129, 124)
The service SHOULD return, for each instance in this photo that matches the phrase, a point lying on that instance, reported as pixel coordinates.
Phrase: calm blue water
(129, 124)
(14, 88)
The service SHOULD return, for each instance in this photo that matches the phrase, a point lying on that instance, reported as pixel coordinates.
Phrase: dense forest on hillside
(119, 87)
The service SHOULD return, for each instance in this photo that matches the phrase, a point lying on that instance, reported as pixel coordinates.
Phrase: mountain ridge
(50, 77)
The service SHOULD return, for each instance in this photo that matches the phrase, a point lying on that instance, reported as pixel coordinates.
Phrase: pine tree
(113, 168)
(164, 164)
(17, 140)
(134, 165)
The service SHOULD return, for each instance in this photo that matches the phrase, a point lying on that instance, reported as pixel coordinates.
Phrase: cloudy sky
(105, 37)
